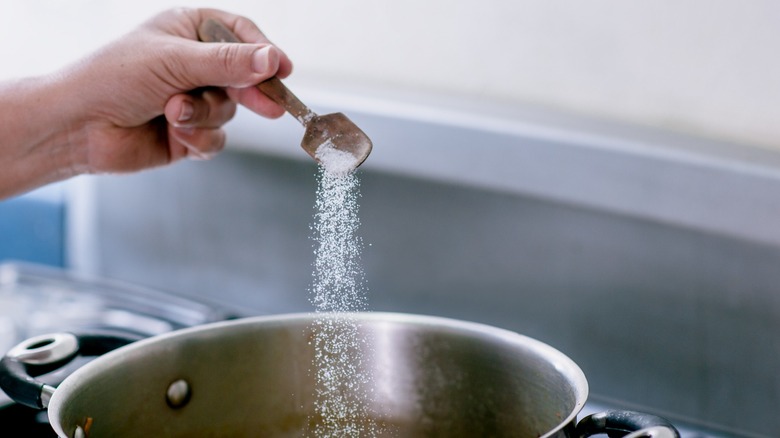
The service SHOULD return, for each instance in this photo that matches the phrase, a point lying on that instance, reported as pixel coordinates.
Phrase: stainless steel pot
(429, 377)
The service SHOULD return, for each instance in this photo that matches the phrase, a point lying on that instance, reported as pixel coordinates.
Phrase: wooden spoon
(324, 134)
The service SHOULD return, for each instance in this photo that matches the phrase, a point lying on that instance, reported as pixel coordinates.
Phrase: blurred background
(708, 67)
(601, 175)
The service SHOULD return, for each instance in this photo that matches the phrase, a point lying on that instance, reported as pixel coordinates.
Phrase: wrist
(41, 134)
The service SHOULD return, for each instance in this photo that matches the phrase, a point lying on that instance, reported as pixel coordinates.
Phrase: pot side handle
(627, 424)
(43, 354)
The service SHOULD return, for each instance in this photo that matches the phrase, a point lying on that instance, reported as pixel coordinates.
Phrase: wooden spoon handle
(213, 31)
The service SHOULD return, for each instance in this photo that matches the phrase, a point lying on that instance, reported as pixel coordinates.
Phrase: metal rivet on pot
(178, 394)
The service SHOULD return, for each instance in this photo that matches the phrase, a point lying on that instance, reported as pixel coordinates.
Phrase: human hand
(157, 94)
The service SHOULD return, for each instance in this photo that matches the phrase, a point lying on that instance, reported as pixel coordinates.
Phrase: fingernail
(187, 110)
(196, 155)
(265, 60)
(186, 130)
(193, 153)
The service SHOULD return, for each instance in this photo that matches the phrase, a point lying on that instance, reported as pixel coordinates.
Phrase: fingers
(205, 108)
(231, 72)
(195, 143)
(194, 122)
(236, 67)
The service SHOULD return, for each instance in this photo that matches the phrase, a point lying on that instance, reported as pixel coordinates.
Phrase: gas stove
(36, 299)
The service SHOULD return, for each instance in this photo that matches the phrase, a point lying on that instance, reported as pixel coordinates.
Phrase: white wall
(709, 67)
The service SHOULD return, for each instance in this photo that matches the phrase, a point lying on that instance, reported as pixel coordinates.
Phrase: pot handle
(627, 424)
(43, 354)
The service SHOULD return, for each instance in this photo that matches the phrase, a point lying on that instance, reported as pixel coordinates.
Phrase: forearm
(39, 141)
(152, 97)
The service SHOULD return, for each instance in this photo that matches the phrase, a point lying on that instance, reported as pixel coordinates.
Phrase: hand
(150, 98)
(158, 94)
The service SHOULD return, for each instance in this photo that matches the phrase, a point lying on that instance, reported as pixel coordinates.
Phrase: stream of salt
(338, 289)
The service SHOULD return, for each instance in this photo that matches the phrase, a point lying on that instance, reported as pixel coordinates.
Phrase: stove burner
(37, 300)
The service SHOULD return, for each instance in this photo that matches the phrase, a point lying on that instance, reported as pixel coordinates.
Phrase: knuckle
(230, 58)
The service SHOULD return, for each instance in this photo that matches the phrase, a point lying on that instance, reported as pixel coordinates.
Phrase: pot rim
(562, 363)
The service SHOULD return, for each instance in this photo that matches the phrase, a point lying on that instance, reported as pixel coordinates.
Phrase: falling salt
(342, 397)
(338, 274)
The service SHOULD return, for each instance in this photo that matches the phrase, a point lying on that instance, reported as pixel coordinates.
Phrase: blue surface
(32, 227)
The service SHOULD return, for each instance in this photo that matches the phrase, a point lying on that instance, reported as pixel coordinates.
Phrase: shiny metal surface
(178, 394)
(47, 391)
(652, 432)
(45, 349)
(252, 377)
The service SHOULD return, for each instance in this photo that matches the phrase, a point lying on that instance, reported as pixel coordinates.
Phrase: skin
(150, 98)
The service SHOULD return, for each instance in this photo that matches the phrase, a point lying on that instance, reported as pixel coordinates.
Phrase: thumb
(231, 64)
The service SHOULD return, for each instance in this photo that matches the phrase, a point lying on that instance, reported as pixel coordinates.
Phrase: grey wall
(671, 319)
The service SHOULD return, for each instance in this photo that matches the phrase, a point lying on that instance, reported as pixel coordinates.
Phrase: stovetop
(37, 299)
